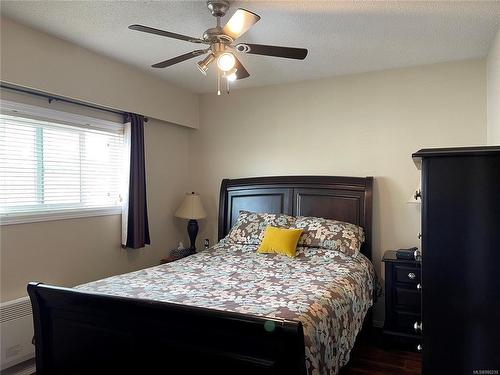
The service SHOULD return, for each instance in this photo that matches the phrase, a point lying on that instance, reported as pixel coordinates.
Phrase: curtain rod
(51, 98)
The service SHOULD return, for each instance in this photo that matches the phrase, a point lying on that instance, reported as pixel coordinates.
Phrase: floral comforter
(328, 291)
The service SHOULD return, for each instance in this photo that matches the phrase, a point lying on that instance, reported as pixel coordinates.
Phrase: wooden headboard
(340, 198)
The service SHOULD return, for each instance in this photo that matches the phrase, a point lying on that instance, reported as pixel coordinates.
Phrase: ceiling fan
(221, 47)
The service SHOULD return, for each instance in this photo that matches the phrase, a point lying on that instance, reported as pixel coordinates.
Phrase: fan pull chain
(218, 82)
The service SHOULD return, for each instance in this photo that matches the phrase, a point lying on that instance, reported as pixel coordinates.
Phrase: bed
(227, 310)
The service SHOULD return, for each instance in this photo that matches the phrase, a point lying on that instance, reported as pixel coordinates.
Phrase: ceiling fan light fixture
(231, 75)
(203, 64)
(226, 61)
(202, 68)
(240, 22)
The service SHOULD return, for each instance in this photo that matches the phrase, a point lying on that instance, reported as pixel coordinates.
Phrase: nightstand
(402, 297)
(172, 258)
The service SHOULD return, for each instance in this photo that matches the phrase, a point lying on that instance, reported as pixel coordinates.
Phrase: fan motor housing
(216, 35)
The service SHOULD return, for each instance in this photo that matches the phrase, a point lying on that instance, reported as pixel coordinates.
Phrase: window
(65, 166)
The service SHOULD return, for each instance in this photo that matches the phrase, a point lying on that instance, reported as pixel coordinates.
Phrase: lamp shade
(191, 208)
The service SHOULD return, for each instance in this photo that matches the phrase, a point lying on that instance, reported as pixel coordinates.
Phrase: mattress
(328, 291)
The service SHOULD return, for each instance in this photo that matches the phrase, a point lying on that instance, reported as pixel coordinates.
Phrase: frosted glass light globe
(231, 77)
(226, 61)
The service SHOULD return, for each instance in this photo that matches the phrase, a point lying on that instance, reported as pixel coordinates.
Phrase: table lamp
(191, 209)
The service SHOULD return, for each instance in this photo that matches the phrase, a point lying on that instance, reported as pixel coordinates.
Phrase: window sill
(33, 217)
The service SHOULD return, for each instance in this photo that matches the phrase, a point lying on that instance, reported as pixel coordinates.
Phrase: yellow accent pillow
(280, 241)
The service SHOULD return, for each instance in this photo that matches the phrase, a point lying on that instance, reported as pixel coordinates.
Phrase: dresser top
(456, 151)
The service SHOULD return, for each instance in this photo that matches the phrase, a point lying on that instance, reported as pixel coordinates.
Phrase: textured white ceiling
(342, 37)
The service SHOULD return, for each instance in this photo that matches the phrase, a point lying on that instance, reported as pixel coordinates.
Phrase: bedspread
(328, 291)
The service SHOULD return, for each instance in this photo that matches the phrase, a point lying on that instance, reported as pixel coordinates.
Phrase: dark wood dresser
(460, 260)
(402, 298)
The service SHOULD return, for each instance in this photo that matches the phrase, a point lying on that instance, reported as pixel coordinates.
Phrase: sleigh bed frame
(85, 333)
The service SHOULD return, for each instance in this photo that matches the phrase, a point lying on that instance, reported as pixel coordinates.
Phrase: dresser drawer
(408, 275)
(407, 298)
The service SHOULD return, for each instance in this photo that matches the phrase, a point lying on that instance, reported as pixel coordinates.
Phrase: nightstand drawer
(404, 321)
(409, 275)
(407, 298)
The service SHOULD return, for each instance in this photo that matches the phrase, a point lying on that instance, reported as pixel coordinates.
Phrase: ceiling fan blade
(240, 22)
(168, 34)
(241, 72)
(277, 51)
(179, 59)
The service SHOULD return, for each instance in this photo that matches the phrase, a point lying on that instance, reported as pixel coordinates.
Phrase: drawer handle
(411, 276)
(417, 255)
(419, 347)
(419, 286)
(418, 194)
(417, 326)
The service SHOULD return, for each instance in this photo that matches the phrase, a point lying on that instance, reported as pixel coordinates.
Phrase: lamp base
(192, 229)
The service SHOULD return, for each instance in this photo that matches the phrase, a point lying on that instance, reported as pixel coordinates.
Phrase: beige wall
(366, 124)
(70, 252)
(359, 125)
(493, 74)
(37, 60)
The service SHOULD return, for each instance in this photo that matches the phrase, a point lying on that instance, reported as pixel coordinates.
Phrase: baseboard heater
(16, 325)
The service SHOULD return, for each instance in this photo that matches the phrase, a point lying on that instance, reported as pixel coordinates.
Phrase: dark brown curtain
(137, 225)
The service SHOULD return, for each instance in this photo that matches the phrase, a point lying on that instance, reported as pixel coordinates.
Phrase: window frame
(53, 215)
(79, 121)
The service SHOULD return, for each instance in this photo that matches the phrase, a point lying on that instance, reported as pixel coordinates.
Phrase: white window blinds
(52, 165)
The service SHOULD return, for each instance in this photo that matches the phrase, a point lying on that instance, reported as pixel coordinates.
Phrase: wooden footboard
(84, 333)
